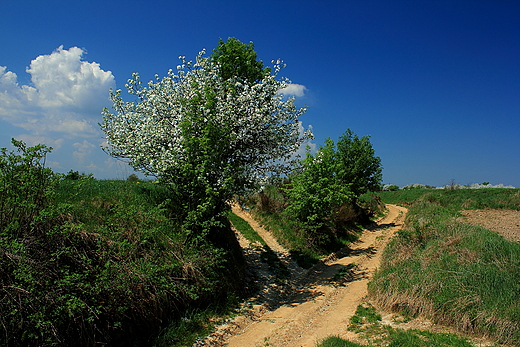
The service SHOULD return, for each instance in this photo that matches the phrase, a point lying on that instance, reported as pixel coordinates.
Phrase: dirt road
(322, 302)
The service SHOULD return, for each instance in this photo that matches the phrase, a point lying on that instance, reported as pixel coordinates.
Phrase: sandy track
(321, 307)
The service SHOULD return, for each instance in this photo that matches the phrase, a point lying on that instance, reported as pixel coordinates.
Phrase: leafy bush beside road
(86, 262)
(320, 207)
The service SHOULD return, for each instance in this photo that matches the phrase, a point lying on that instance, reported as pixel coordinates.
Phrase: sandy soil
(316, 305)
(504, 222)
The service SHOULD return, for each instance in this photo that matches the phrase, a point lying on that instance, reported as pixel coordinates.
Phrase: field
(107, 262)
(456, 273)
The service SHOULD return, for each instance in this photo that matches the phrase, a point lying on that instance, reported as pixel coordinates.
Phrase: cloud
(294, 89)
(66, 95)
(60, 107)
(31, 140)
(84, 149)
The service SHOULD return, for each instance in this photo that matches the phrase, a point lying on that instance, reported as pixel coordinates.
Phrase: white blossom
(258, 128)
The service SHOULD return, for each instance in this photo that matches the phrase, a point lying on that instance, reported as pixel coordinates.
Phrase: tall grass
(454, 273)
(112, 266)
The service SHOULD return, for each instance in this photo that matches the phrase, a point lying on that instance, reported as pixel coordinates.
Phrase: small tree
(205, 131)
(315, 195)
(359, 166)
(133, 178)
(323, 195)
(26, 186)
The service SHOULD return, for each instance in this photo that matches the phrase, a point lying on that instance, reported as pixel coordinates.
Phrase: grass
(471, 199)
(196, 323)
(454, 273)
(121, 266)
(289, 238)
(245, 229)
(267, 254)
(366, 322)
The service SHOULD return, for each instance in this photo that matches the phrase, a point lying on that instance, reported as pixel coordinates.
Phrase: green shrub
(133, 178)
(86, 262)
(26, 187)
(75, 176)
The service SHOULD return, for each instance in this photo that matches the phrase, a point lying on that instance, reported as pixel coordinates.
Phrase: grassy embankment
(454, 273)
(107, 263)
(457, 274)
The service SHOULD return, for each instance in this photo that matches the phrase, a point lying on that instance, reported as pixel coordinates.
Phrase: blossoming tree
(207, 134)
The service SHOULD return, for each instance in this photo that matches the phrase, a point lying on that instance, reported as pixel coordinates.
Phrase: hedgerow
(86, 262)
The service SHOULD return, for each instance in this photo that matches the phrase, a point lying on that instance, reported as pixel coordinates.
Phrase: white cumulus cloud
(294, 89)
(66, 95)
(84, 149)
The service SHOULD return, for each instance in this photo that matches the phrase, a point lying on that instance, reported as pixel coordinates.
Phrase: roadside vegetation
(452, 272)
(87, 262)
(130, 263)
(344, 224)
(366, 322)
(321, 206)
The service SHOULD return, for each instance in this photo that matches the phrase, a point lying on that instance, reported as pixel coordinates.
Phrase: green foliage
(417, 338)
(26, 187)
(359, 167)
(365, 313)
(323, 196)
(316, 197)
(212, 130)
(453, 272)
(86, 262)
(133, 178)
(335, 341)
(238, 60)
(269, 207)
(367, 323)
(75, 175)
(391, 188)
(403, 338)
(245, 229)
(267, 254)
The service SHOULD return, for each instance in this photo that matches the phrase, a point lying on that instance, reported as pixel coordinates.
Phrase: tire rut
(312, 304)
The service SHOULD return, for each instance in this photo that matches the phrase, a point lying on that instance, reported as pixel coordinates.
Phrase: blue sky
(435, 84)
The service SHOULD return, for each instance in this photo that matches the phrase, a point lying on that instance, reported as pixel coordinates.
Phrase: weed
(366, 323)
(99, 262)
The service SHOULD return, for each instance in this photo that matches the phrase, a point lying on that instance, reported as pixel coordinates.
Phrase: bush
(86, 262)
(323, 196)
(26, 187)
(75, 176)
(133, 178)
